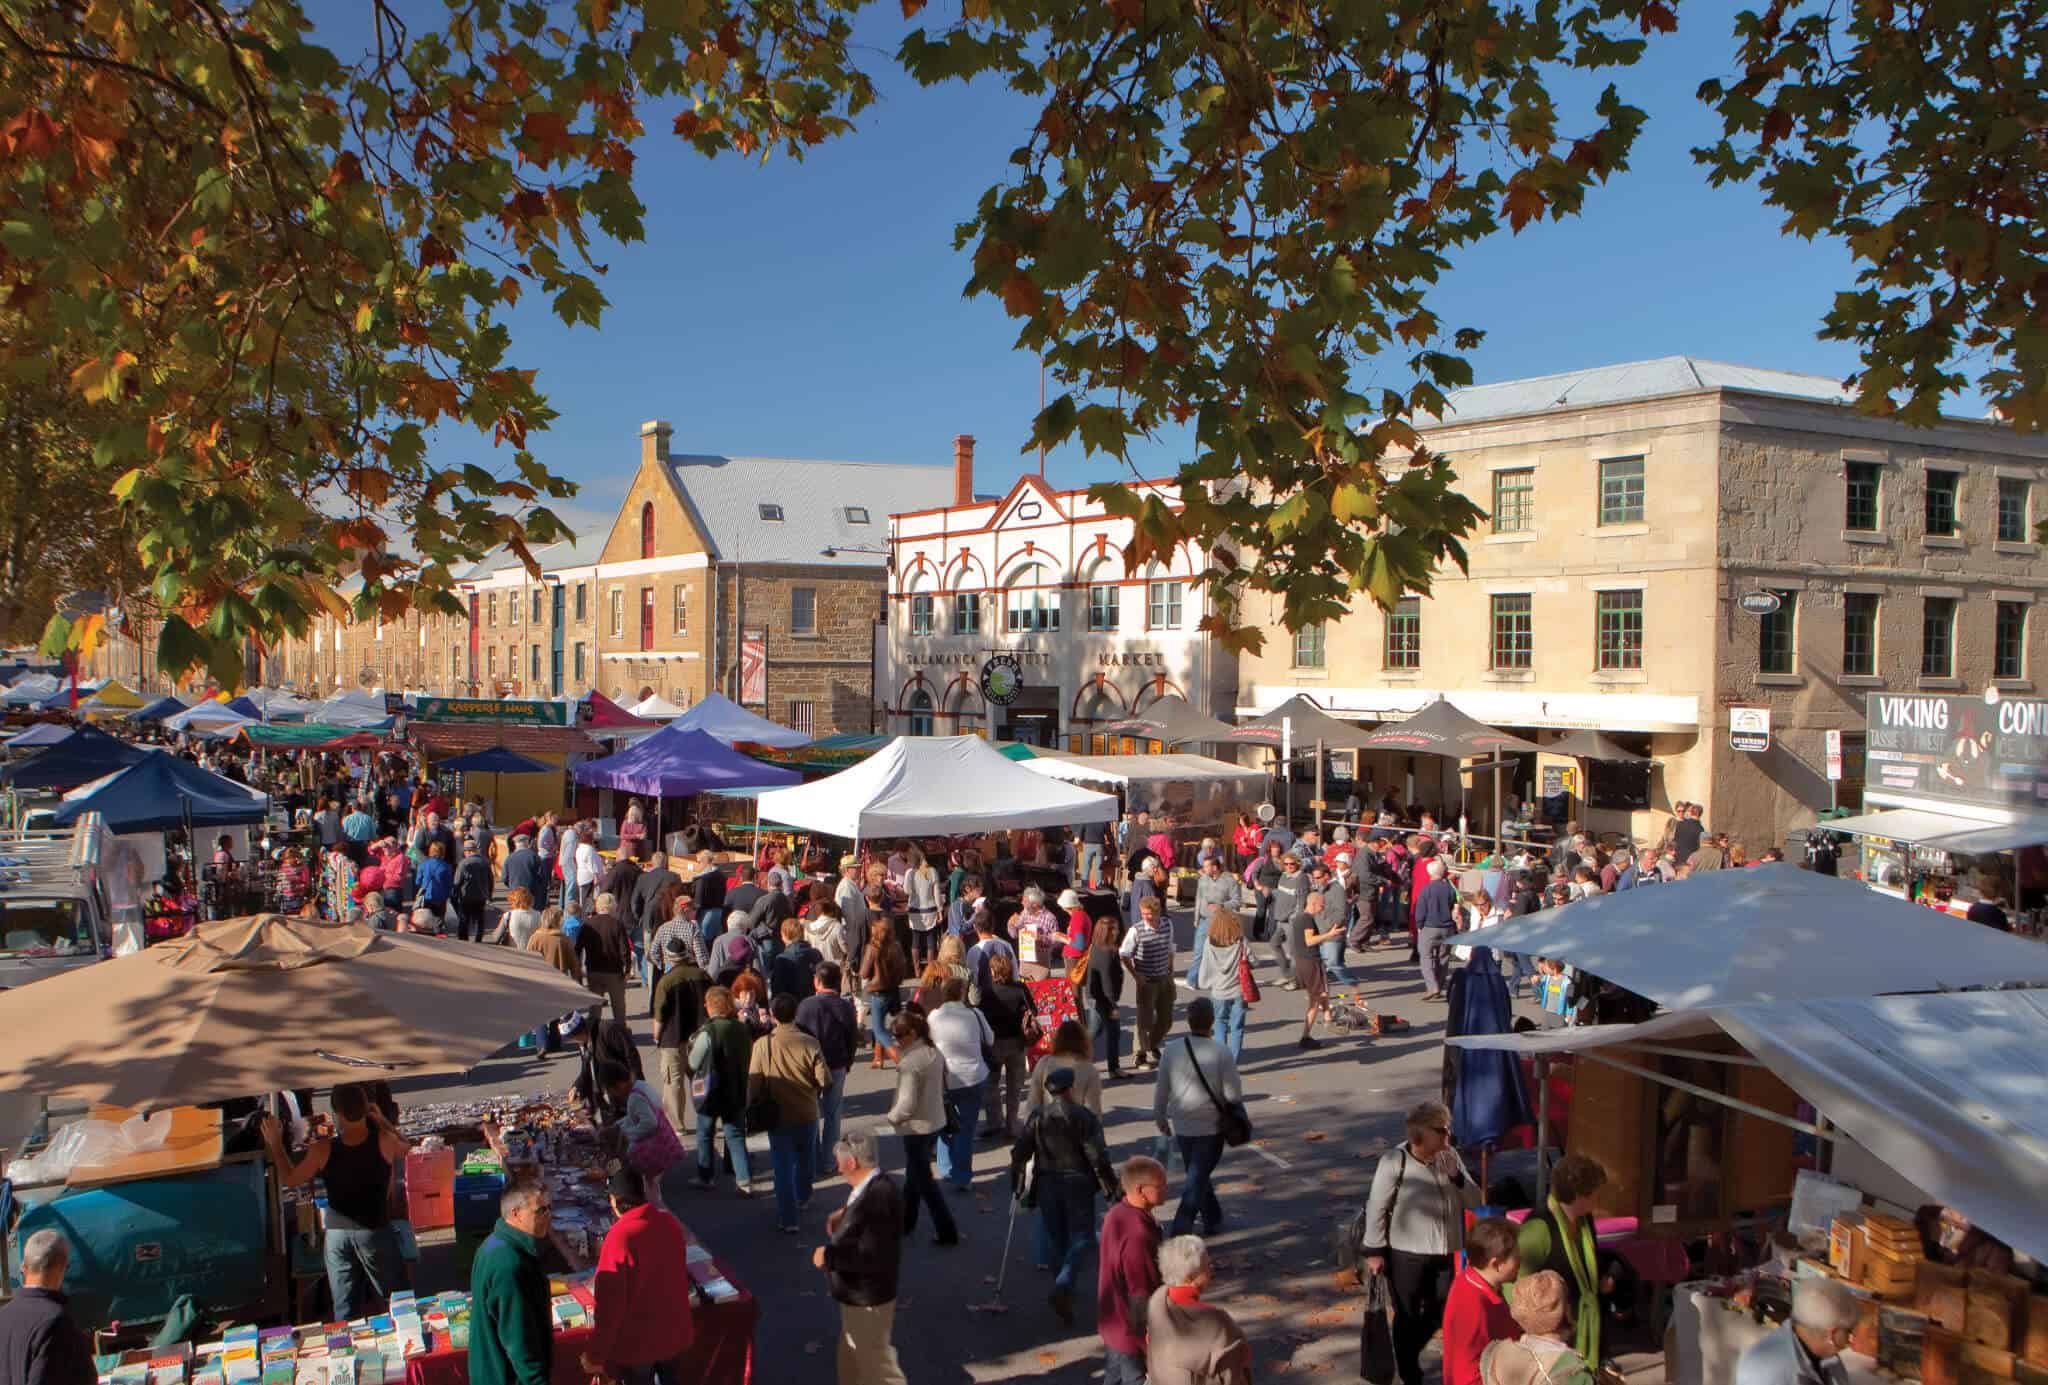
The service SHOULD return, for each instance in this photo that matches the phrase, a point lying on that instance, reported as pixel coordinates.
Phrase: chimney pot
(654, 436)
(963, 469)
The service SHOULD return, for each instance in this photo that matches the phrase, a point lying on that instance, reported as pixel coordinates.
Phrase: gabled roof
(581, 551)
(725, 496)
(1633, 380)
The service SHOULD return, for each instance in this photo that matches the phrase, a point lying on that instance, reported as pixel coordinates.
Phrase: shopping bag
(1376, 1344)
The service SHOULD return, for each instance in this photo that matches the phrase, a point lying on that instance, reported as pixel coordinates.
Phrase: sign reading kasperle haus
(547, 713)
(1991, 750)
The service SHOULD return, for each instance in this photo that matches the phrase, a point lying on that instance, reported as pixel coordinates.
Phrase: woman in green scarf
(1559, 1236)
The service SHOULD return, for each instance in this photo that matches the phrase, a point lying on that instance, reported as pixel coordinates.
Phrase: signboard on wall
(1749, 729)
(754, 668)
(1988, 750)
(491, 709)
(1833, 742)
(1001, 679)
(1558, 779)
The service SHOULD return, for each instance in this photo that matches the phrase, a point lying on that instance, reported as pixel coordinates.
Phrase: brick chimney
(963, 469)
(654, 435)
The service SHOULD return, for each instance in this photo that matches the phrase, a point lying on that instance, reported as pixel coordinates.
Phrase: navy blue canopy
(498, 760)
(81, 757)
(163, 791)
(40, 736)
(242, 706)
(157, 710)
(1488, 1099)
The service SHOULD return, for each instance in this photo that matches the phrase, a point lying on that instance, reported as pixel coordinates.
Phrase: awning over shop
(458, 738)
(1122, 770)
(1965, 831)
(1943, 1088)
(1730, 937)
(1591, 745)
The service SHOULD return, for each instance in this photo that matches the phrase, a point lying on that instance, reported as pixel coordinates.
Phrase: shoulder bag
(764, 1112)
(1234, 1123)
(1247, 984)
(1376, 1341)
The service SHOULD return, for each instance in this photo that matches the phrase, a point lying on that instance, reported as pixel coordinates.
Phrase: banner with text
(753, 668)
(547, 713)
(1969, 749)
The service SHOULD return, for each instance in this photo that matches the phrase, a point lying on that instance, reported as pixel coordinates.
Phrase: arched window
(920, 713)
(922, 605)
(647, 530)
(1031, 602)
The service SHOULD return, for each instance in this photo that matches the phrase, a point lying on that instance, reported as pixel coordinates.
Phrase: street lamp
(838, 549)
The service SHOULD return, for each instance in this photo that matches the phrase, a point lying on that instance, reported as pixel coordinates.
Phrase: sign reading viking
(1002, 678)
(1991, 750)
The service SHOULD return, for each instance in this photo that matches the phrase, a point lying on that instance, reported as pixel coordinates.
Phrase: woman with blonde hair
(521, 918)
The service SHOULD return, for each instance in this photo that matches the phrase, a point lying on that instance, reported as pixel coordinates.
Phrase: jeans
(363, 1267)
(1333, 962)
(1198, 1193)
(789, 1152)
(1195, 963)
(1102, 1021)
(956, 1151)
(880, 1007)
(1091, 862)
(707, 1149)
(921, 1189)
(1155, 1013)
(1122, 1368)
(1067, 1201)
(829, 1102)
(1431, 942)
(1230, 1017)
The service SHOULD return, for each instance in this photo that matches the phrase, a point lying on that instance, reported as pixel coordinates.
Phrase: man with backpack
(472, 893)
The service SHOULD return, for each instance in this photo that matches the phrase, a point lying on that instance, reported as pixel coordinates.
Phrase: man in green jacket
(511, 1336)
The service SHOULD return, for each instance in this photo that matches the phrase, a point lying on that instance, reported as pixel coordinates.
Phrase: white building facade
(1018, 619)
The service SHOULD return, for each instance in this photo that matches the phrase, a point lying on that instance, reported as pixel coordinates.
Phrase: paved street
(1319, 1118)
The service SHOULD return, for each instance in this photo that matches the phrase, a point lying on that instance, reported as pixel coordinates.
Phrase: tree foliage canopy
(270, 269)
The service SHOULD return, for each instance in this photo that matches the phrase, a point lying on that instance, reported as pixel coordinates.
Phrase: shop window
(1859, 634)
(1860, 489)
(1164, 605)
(1308, 646)
(921, 613)
(803, 610)
(1404, 633)
(1514, 635)
(2012, 510)
(1105, 606)
(1514, 500)
(1938, 637)
(1941, 502)
(1621, 491)
(1777, 648)
(2009, 643)
(920, 713)
(1618, 621)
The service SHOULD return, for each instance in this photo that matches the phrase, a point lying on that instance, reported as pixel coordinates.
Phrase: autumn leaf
(549, 133)
(1523, 204)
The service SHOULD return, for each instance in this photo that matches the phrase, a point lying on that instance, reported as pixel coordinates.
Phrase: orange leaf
(1020, 295)
(600, 15)
(550, 132)
(1523, 204)
(911, 7)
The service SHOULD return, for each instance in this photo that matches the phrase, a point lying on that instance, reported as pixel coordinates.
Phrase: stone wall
(832, 668)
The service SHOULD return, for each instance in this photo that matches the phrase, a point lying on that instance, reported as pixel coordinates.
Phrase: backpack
(700, 1058)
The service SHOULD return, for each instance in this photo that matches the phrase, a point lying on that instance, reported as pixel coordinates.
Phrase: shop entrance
(1033, 727)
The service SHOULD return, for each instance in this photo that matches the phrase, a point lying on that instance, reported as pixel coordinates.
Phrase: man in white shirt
(566, 842)
(1196, 1076)
(588, 864)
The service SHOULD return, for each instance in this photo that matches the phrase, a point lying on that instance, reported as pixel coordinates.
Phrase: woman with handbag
(918, 1114)
(1226, 977)
(1415, 1227)
(1199, 1101)
(652, 1145)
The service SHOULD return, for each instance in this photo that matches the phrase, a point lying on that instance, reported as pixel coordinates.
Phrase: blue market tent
(498, 760)
(83, 756)
(242, 706)
(157, 710)
(43, 734)
(60, 700)
(162, 792)
(675, 762)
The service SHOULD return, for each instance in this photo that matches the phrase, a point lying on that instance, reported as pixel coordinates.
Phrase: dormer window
(856, 514)
(771, 513)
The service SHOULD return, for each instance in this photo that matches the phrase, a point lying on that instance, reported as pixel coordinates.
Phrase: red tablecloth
(721, 1352)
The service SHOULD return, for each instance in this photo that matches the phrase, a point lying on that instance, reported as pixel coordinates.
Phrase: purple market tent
(675, 762)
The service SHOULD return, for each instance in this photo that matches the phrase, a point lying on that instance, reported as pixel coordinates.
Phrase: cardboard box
(1940, 1292)
(1990, 1362)
(2033, 1345)
(1995, 1309)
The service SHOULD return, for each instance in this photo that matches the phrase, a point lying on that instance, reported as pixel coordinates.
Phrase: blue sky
(814, 309)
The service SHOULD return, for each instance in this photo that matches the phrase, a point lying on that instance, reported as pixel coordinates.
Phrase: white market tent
(654, 705)
(351, 707)
(207, 718)
(918, 785)
(1123, 770)
(722, 719)
(278, 705)
(1945, 1089)
(1769, 933)
(29, 690)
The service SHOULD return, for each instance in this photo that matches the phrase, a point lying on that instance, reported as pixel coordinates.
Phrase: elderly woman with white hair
(1036, 931)
(1415, 1227)
(1188, 1341)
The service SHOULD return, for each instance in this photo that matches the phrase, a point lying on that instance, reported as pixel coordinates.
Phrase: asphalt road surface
(1320, 1118)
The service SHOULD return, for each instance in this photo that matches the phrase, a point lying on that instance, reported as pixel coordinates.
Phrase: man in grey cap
(1063, 1144)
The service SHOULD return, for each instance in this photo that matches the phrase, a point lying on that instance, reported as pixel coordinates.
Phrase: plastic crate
(430, 1189)
(476, 1199)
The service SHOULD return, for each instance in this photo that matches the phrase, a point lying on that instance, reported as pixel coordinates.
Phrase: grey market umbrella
(1172, 720)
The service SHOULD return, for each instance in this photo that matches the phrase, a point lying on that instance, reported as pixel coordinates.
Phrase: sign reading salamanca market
(1991, 750)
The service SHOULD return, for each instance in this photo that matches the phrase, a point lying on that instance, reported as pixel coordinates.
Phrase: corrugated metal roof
(727, 495)
(581, 551)
(1617, 384)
